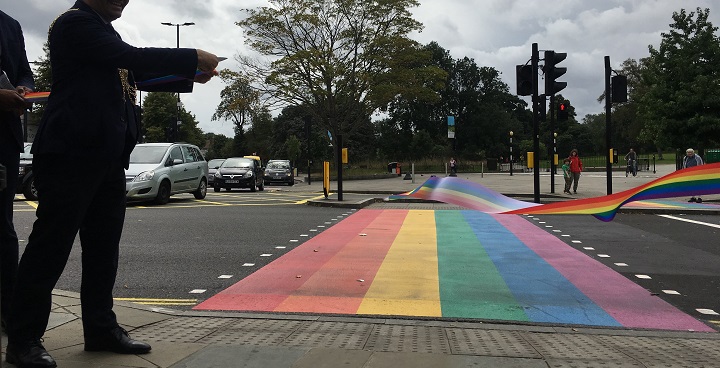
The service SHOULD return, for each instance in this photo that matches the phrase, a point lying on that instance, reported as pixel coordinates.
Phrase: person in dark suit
(14, 64)
(90, 117)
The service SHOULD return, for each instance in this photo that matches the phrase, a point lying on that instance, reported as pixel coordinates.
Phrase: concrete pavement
(222, 339)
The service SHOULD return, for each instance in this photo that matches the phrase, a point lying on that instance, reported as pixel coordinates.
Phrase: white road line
(224, 276)
(621, 264)
(671, 292)
(197, 291)
(588, 248)
(577, 241)
(266, 255)
(248, 264)
(603, 256)
(280, 247)
(691, 221)
(707, 311)
(646, 277)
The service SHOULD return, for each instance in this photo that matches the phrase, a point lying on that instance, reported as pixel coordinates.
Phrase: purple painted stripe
(627, 302)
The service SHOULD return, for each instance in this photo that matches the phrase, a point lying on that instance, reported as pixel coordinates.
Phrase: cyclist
(631, 159)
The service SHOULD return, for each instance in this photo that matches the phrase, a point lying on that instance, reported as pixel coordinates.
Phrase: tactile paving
(253, 332)
(180, 329)
(342, 335)
(660, 352)
(416, 339)
(584, 363)
(572, 346)
(489, 342)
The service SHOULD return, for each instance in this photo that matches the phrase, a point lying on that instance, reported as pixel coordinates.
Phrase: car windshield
(278, 165)
(148, 154)
(215, 163)
(237, 163)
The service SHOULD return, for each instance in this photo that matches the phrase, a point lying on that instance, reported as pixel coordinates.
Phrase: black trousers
(10, 158)
(71, 199)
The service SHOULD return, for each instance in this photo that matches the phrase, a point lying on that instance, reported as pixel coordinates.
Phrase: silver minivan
(159, 170)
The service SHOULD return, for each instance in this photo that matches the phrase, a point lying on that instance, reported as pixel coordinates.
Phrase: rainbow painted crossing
(455, 264)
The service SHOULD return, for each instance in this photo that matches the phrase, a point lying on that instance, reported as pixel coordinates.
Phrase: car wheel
(163, 195)
(262, 186)
(201, 191)
(30, 192)
(253, 188)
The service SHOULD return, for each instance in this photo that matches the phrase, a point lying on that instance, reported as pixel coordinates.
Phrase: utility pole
(608, 125)
(176, 128)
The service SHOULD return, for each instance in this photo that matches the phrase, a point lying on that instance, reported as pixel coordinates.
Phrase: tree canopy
(340, 59)
(680, 102)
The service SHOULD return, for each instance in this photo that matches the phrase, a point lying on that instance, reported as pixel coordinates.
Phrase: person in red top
(576, 168)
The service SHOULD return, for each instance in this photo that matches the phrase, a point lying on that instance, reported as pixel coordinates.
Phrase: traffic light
(541, 110)
(563, 108)
(524, 74)
(552, 72)
(618, 90)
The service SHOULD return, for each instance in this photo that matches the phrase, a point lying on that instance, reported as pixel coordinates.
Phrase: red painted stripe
(266, 288)
(336, 287)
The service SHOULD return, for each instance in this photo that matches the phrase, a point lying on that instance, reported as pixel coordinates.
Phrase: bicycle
(631, 168)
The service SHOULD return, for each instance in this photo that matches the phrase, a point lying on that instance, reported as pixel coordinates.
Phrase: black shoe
(574, 191)
(692, 200)
(31, 354)
(699, 200)
(116, 340)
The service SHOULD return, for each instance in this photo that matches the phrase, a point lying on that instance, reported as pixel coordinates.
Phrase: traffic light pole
(554, 149)
(608, 124)
(536, 125)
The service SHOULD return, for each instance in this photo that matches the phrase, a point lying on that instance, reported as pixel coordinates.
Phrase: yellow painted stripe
(407, 282)
(310, 199)
(33, 204)
(156, 300)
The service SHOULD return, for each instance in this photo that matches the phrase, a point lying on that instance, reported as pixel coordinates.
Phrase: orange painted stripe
(336, 287)
(268, 287)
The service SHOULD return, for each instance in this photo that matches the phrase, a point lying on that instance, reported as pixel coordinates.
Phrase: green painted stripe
(470, 285)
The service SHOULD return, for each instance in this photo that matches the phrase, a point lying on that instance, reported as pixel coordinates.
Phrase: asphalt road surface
(185, 252)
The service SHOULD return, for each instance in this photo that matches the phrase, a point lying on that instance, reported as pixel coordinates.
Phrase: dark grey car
(239, 172)
(279, 171)
(213, 165)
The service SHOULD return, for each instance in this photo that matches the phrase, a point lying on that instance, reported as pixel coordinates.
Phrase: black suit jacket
(13, 60)
(87, 113)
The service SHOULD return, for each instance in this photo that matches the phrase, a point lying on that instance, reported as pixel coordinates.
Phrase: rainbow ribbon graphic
(699, 180)
(37, 96)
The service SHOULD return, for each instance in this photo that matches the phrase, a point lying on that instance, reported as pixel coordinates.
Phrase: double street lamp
(176, 128)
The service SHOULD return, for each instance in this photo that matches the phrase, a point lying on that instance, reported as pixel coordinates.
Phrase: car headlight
(217, 174)
(145, 176)
(249, 174)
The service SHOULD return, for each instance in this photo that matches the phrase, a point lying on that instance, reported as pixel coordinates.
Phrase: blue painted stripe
(545, 294)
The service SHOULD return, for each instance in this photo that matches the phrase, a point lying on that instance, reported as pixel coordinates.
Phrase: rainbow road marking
(453, 264)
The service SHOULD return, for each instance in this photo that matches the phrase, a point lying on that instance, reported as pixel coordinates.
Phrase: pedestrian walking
(576, 167)
(453, 167)
(692, 159)
(567, 175)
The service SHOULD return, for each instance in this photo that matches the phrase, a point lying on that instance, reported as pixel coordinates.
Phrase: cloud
(496, 33)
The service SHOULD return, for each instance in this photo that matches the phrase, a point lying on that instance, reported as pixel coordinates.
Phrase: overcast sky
(496, 33)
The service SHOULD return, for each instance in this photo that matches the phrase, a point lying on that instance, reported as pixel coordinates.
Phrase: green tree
(340, 59)
(159, 114)
(681, 107)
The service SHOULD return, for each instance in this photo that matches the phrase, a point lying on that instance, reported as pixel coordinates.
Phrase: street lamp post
(176, 128)
(511, 154)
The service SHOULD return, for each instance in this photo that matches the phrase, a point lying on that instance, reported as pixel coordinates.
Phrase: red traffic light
(562, 107)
